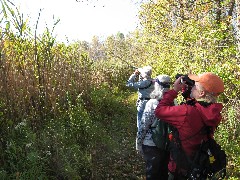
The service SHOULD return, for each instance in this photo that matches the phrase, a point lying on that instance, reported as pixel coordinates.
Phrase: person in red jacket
(189, 118)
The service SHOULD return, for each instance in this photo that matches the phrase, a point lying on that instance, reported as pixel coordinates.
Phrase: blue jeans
(156, 163)
(140, 108)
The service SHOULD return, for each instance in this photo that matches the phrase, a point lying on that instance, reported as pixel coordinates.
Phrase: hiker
(156, 159)
(144, 85)
(191, 117)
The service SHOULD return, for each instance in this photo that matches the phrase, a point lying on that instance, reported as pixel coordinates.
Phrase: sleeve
(147, 119)
(175, 115)
(131, 81)
(137, 84)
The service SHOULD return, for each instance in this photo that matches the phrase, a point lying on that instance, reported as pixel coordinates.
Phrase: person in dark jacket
(189, 118)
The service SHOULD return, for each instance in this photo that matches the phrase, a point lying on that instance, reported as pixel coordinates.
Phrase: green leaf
(7, 26)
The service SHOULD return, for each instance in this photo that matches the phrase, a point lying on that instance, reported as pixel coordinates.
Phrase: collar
(193, 101)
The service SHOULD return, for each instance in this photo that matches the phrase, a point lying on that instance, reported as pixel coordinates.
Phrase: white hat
(164, 78)
(145, 71)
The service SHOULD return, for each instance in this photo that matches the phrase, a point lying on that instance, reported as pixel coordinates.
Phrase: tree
(96, 49)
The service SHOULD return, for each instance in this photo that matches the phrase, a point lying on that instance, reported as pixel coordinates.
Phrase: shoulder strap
(154, 124)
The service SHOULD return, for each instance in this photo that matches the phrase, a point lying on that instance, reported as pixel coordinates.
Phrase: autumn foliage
(65, 112)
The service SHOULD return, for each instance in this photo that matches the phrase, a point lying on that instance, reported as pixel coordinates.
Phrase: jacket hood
(211, 115)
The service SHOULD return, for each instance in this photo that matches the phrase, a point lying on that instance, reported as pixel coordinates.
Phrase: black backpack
(209, 162)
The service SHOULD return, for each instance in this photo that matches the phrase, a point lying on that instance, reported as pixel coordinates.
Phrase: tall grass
(58, 108)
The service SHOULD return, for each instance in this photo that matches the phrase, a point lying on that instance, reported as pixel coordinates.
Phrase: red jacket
(188, 119)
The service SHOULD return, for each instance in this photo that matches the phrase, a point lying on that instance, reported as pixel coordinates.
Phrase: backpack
(209, 162)
(160, 131)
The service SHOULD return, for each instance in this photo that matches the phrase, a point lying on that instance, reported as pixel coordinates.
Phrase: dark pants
(156, 163)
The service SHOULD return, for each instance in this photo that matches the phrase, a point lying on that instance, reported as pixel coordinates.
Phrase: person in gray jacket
(141, 80)
(156, 159)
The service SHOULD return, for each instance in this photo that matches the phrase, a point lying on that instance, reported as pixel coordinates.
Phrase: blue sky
(82, 19)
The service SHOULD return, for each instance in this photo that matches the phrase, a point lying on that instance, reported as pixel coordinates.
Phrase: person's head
(207, 86)
(145, 72)
(162, 85)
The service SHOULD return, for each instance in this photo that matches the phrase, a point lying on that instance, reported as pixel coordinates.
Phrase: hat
(210, 82)
(163, 80)
(145, 71)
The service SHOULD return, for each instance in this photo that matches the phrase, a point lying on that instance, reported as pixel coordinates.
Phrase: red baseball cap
(210, 82)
